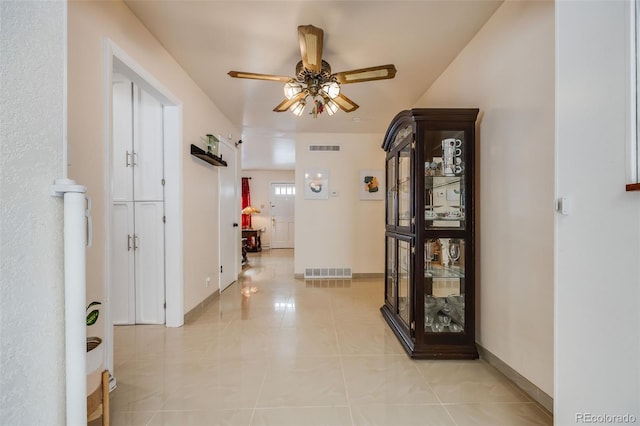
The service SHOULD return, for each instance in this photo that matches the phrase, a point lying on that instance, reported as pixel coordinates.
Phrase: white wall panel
(597, 328)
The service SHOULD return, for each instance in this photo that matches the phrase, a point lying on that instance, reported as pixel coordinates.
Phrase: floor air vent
(324, 147)
(313, 273)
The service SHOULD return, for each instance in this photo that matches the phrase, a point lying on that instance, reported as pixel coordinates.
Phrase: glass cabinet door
(444, 273)
(404, 186)
(392, 191)
(444, 177)
(398, 278)
(404, 281)
(390, 274)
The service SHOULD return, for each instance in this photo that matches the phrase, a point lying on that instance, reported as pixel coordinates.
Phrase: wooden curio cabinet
(430, 230)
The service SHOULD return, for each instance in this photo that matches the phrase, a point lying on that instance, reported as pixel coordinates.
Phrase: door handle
(235, 224)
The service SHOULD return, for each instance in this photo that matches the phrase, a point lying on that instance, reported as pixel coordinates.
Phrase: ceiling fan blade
(254, 76)
(345, 104)
(381, 72)
(286, 104)
(311, 40)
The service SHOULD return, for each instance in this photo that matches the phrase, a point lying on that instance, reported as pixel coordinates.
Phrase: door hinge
(413, 326)
(163, 182)
(220, 268)
(164, 219)
(165, 305)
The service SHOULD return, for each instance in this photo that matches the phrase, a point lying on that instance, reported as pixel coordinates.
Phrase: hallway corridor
(273, 350)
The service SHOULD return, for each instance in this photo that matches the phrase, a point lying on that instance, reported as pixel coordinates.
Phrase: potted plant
(95, 368)
(92, 318)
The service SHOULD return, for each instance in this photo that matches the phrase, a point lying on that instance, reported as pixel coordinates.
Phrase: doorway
(119, 62)
(282, 199)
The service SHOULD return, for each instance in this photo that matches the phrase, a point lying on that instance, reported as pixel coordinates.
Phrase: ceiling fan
(314, 79)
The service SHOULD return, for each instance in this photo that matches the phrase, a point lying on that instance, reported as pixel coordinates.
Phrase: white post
(75, 232)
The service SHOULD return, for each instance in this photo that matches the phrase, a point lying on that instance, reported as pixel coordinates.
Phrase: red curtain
(246, 201)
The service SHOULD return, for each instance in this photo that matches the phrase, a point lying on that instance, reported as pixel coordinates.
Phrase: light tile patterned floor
(300, 353)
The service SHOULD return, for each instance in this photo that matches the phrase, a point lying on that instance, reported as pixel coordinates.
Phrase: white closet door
(122, 140)
(122, 303)
(148, 147)
(149, 263)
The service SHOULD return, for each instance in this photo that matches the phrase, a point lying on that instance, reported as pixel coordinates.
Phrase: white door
(122, 139)
(229, 241)
(148, 245)
(148, 158)
(123, 309)
(282, 215)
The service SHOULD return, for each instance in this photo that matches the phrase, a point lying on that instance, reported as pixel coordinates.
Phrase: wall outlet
(207, 281)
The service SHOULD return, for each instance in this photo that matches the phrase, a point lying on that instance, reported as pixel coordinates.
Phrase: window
(284, 189)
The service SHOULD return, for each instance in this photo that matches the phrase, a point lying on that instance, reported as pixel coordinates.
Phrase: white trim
(173, 201)
(116, 59)
(108, 200)
(632, 152)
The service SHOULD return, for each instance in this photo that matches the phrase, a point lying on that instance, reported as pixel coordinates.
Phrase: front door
(229, 240)
(282, 215)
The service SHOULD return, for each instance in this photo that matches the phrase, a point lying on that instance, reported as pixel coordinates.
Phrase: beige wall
(507, 71)
(342, 231)
(90, 24)
(260, 187)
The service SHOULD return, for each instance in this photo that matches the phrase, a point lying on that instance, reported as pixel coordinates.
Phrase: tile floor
(300, 353)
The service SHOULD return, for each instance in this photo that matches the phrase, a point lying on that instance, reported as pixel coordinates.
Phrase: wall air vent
(324, 147)
(315, 273)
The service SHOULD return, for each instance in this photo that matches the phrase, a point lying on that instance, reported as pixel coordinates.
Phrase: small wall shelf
(214, 160)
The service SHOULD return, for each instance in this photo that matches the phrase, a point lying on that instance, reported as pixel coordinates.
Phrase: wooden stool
(98, 401)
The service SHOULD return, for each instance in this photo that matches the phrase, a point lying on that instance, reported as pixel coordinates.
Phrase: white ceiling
(210, 38)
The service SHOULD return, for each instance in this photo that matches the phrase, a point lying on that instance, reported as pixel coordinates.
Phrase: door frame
(116, 59)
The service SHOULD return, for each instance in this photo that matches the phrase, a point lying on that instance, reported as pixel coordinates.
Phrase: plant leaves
(93, 304)
(92, 317)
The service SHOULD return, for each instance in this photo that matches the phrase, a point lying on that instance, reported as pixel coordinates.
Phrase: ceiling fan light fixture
(291, 89)
(331, 88)
(314, 79)
(298, 107)
(330, 106)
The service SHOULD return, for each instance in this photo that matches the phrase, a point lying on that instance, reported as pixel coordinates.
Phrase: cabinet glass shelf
(438, 271)
(440, 181)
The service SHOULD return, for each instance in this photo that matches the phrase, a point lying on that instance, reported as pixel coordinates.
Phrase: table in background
(253, 243)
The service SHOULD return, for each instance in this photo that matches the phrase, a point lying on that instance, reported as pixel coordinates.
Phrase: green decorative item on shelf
(212, 144)
(92, 316)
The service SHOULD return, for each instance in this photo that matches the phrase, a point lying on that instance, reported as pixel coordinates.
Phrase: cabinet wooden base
(427, 351)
